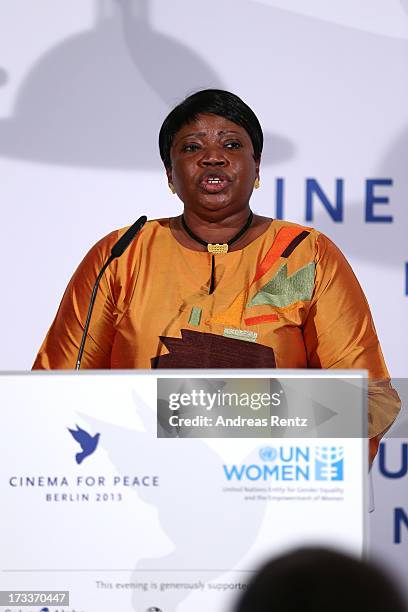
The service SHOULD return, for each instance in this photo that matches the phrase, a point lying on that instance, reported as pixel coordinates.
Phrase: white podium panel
(94, 502)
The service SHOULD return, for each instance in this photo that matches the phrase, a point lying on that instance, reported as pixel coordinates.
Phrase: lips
(214, 182)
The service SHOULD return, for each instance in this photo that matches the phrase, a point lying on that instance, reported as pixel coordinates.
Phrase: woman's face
(213, 168)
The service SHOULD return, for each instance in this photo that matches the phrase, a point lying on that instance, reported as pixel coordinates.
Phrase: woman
(269, 294)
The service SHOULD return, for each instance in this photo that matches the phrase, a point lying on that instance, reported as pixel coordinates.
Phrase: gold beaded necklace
(215, 249)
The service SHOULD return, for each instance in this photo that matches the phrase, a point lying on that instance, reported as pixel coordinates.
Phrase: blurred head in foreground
(318, 580)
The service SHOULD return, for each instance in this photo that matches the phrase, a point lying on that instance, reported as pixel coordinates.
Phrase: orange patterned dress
(287, 300)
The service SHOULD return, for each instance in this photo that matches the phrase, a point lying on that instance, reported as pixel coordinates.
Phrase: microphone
(116, 251)
(122, 244)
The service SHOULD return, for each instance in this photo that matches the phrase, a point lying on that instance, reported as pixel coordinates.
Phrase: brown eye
(233, 144)
(190, 148)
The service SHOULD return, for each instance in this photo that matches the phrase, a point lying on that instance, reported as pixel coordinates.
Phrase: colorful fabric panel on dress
(201, 350)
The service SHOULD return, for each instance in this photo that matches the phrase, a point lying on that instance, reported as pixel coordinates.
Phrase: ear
(169, 173)
(257, 166)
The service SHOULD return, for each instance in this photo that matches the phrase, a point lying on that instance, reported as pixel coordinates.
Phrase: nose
(213, 157)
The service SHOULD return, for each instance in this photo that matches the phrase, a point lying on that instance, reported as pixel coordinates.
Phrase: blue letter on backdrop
(335, 211)
(279, 198)
(372, 200)
(403, 470)
(406, 278)
(400, 516)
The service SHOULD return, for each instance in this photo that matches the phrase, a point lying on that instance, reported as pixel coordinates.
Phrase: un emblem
(268, 453)
(329, 463)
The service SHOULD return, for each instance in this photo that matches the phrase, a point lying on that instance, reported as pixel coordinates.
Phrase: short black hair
(210, 102)
(316, 580)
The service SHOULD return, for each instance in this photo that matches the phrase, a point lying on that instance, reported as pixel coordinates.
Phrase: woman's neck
(213, 228)
(218, 232)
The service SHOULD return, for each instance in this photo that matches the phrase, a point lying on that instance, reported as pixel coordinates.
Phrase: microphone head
(122, 244)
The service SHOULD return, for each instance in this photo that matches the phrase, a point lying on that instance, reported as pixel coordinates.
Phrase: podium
(165, 490)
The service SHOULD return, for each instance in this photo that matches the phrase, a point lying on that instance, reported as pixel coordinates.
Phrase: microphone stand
(117, 250)
(90, 309)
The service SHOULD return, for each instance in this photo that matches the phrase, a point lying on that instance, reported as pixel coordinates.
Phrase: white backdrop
(85, 85)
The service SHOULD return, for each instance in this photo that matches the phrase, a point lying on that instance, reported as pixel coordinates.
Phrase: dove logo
(87, 443)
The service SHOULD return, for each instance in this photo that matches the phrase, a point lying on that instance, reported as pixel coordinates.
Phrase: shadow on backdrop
(194, 530)
(404, 4)
(98, 98)
(378, 243)
(383, 244)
